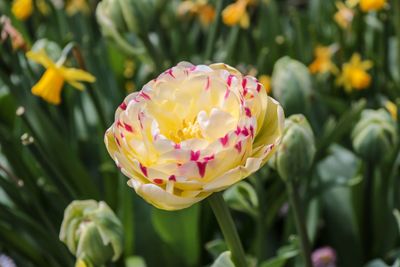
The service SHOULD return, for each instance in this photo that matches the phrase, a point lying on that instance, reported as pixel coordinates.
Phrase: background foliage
(51, 155)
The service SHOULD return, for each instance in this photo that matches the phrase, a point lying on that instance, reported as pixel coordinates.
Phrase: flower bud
(291, 81)
(125, 15)
(92, 232)
(296, 152)
(109, 16)
(374, 135)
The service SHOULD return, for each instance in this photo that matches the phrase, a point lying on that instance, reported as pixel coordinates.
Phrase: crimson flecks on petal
(202, 167)
(224, 140)
(158, 181)
(123, 106)
(194, 155)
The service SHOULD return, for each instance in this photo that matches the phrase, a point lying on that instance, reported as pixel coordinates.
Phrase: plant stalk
(299, 219)
(228, 229)
(213, 31)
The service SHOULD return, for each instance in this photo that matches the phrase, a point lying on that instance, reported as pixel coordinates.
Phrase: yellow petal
(22, 9)
(233, 13)
(49, 86)
(392, 108)
(272, 126)
(74, 75)
(40, 57)
(77, 85)
(162, 199)
(245, 21)
(265, 80)
(233, 176)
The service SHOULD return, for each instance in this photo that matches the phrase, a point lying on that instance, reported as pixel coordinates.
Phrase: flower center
(189, 130)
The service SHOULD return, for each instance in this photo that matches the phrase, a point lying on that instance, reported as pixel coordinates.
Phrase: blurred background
(336, 62)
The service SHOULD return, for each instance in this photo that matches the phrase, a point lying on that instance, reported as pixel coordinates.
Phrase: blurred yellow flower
(372, 5)
(323, 60)
(204, 11)
(74, 6)
(192, 131)
(22, 9)
(236, 13)
(80, 263)
(344, 16)
(354, 74)
(265, 80)
(43, 7)
(392, 108)
(51, 83)
(367, 5)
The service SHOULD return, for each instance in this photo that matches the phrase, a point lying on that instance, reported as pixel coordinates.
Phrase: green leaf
(284, 254)
(7, 110)
(343, 126)
(242, 197)
(216, 247)
(341, 221)
(376, 263)
(180, 230)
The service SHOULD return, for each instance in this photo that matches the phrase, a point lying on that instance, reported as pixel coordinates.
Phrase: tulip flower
(192, 131)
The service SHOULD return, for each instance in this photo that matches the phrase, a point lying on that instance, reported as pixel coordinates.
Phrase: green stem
(294, 200)
(228, 229)
(260, 229)
(213, 31)
(367, 213)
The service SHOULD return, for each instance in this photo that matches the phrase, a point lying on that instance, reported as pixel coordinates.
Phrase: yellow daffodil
(372, 5)
(367, 5)
(392, 109)
(51, 83)
(323, 60)
(75, 6)
(236, 13)
(204, 11)
(265, 80)
(22, 9)
(354, 74)
(192, 131)
(344, 16)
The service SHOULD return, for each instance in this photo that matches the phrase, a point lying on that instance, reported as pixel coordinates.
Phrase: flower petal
(40, 57)
(162, 199)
